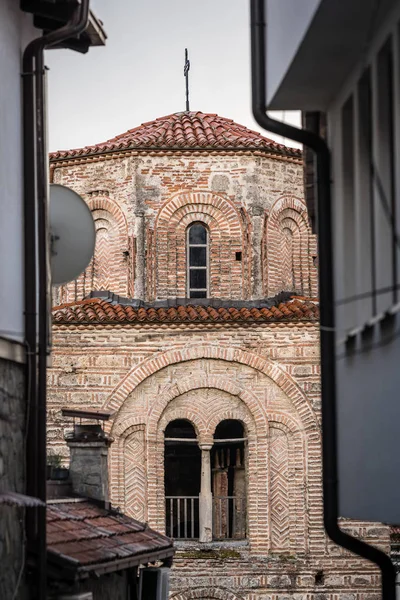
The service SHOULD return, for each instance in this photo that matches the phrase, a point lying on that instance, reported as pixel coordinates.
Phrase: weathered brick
(264, 374)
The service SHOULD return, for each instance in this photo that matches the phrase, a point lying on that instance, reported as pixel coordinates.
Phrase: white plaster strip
(12, 350)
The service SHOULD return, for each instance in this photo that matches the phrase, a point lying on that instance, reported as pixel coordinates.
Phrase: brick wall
(144, 203)
(267, 376)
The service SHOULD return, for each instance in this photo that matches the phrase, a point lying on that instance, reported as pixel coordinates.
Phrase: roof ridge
(187, 130)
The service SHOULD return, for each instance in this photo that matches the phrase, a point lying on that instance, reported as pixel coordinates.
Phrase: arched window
(229, 481)
(205, 490)
(197, 261)
(182, 466)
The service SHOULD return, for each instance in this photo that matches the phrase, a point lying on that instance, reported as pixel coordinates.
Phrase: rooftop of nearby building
(84, 537)
(104, 310)
(184, 131)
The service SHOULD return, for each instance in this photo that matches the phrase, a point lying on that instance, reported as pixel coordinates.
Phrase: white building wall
(16, 30)
(352, 72)
(368, 336)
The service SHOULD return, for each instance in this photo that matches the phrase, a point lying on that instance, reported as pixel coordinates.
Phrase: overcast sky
(138, 75)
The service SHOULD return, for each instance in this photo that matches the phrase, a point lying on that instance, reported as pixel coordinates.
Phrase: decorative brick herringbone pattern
(279, 490)
(109, 268)
(287, 249)
(135, 475)
(287, 260)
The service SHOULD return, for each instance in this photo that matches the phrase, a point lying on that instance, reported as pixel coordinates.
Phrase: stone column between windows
(205, 498)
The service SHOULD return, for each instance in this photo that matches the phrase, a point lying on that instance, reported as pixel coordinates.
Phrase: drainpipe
(327, 322)
(37, 277)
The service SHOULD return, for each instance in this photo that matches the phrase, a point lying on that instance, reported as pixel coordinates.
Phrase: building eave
(336, 40)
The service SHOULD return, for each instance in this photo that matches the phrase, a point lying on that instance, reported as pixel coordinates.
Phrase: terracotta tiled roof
(182, 131)
(97, 311)
(84, 534)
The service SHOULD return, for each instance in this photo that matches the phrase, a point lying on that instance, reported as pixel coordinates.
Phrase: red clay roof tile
(97, 311)
(88, 534)
(184, 131)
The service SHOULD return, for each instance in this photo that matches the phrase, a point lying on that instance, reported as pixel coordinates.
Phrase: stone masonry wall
(265, 375)
(12, 477)
(143, 203)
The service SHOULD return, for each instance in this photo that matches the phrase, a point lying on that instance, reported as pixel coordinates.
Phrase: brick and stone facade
(243, 355)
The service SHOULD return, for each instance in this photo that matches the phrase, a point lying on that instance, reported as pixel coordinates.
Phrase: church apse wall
(254, 213)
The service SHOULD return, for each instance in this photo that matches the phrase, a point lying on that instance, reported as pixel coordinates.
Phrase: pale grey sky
(138, 75)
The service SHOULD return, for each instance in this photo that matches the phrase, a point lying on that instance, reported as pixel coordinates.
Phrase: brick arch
(206, 594)
(125, 427)
(194, 351)
(251, 413)
(200, 217)
(206, 429)
(235, 415)
(108, 269)
(257, 447)
(226, 237)
(287, 264)
(180, 200)
(284, 421)
(259, 525)
(109, 205)
(288, 201)
(250, 401)
(182, 413)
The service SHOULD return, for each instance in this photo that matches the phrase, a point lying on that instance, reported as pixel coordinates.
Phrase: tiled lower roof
(85, 535)
(99, 311)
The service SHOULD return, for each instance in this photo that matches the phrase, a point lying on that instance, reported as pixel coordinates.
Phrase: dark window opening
(182, 468)
(180, 428)
(230, 428)
(197, 261)
(197, 234)
(238, 256)
(319, 578)
(229, 481)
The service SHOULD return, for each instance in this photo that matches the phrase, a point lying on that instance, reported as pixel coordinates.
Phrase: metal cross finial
(186, 74)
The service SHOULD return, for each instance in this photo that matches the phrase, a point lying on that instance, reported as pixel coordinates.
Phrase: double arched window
(205, 486)
(197, 261)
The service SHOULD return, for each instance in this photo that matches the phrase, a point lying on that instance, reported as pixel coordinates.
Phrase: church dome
(185, 131)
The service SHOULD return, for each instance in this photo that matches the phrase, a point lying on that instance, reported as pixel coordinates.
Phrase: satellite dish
(73, 234)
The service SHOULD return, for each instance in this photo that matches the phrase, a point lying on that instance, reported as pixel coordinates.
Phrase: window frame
(189, 268)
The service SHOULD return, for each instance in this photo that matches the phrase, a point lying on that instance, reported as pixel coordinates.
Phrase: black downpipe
(37, 278)
(33, 531)
(327, 321)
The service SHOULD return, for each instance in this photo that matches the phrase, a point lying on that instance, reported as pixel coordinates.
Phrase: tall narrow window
(182, 464)
(197, 261)
(229, 481)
